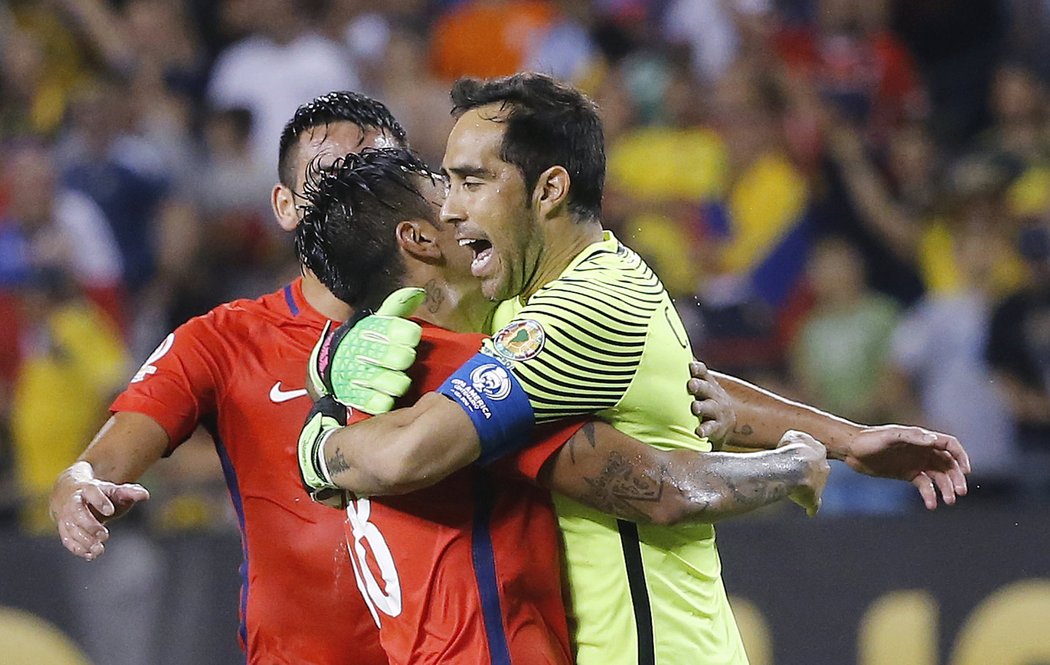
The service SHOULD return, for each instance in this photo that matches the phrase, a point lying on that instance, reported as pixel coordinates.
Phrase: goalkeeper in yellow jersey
(586, 328)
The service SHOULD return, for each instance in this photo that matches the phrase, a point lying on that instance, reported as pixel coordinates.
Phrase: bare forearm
(695, 488)
(608, 471)
(402, 451)
(127, 445)
(762, 418)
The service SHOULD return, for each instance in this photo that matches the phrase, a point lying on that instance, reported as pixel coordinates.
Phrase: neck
(456, 307)
(321, 299)
(565, 239)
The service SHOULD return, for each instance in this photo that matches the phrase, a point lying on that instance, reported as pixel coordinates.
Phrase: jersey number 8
(385, 597)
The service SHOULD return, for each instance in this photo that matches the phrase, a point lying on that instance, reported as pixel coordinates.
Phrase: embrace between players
(546, 439)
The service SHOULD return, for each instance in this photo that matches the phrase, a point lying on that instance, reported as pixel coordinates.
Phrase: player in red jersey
(238, 372)
(468, 569)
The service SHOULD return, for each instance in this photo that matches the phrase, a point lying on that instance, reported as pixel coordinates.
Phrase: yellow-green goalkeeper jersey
(605, 339)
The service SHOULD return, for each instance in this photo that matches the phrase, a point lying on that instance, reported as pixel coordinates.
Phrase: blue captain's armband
(496, 403)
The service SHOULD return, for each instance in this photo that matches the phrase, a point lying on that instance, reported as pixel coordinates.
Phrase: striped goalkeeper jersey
(604, 339)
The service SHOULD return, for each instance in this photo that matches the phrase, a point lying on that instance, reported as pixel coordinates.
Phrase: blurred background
(849, 201)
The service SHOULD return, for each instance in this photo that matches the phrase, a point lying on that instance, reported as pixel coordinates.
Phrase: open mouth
(482, 254)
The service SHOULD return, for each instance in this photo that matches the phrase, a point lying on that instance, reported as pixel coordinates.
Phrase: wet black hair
(338, 106)
(548, 124)
(346, 235)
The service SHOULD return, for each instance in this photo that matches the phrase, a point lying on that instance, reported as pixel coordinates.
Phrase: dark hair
(548, 124)
(338, 106)
(346, 235)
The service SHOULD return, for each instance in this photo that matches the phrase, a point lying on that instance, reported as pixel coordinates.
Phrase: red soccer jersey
(239, 371)
(467, 571)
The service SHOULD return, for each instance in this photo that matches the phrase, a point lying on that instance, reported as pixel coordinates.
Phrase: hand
(711, 404)
(929, 460)
(326, 416)
(362, 362)
(811, 455)
(81, 504)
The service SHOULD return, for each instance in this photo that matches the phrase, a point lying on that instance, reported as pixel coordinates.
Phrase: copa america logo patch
(521, 340)
(492, 381)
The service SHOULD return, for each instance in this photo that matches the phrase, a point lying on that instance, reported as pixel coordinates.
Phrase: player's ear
(417, 238)
(283, 202)
(552, 191)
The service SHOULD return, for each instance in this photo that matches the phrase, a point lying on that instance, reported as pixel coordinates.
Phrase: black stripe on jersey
(617, 273)
(603, 366)
(541, 384)
(590, 347)
(555, 308)
(649, 289)
(643, 613)
(600, 306)
(610, 292)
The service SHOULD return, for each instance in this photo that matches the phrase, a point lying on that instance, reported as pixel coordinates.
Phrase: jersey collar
(300, 308)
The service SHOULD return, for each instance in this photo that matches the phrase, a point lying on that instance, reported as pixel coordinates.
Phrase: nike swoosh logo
(277, 395)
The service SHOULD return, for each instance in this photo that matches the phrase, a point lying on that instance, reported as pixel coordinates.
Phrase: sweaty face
(458, 258)
(488, 205)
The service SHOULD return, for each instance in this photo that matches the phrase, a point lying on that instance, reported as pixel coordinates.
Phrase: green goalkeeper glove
(326, 416)
(362, 362)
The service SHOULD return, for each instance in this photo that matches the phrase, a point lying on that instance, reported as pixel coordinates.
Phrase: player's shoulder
(242, 316)
(612, 281)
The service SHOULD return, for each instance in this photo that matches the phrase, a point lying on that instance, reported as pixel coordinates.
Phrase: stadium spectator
(40, 64)
(281, 61)
(657, 175)
(858, 66)
(49, 227)
(754, 234)
(565, 49)
(719, 34)
(412, 92)
(1019, 353)
(72, 353)
(840, 350)
(938, 349)
(839, 357)
(487, 37)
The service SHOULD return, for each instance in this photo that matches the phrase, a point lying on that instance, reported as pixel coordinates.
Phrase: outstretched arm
(98, 487)
(932, 461)
(603, 468)
(399, 451)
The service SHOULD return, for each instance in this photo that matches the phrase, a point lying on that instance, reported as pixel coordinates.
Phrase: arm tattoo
(336, 463)
(620, 486)
(734, 484)
(588, 431)
(743, 429)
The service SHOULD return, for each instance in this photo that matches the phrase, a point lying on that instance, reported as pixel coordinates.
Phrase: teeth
(464, 242)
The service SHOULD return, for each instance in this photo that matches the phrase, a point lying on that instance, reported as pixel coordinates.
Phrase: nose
(452, 209)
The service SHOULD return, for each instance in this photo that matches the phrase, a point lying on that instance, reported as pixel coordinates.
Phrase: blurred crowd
(849, 200)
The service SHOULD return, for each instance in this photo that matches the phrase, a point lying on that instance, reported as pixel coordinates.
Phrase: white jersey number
(149, 367)
(385, 597)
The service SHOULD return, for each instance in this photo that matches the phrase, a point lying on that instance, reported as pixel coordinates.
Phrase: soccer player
(468, 569)
(238, 372)
(586, 329)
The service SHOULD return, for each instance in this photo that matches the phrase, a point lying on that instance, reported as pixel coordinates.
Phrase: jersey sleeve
(576, 347)
(547, 440)
(178, 384)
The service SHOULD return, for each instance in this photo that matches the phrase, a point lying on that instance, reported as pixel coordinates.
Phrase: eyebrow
(467, 171)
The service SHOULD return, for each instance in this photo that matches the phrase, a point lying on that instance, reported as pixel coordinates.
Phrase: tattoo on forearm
(588, 432)
(619, 486)
(336, 463)
(736, 486)
(743, 429)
